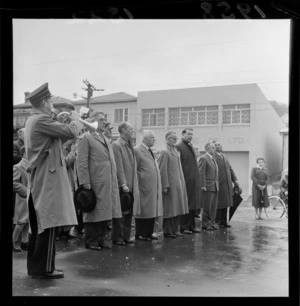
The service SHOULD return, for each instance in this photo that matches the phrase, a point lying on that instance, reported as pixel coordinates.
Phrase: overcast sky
(139, 55)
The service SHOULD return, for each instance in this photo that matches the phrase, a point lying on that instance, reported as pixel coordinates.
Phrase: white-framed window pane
(118, 115)
(145, 120)
(159, 110)
(186, 109)
(212, 107)
(153, 119)
(246, 116)
(147, 111)
(227, 117)
(201, 118)
(192, 118)
(229, 106)
(173, 119)
(236, 116)
(199, 108)
(126, 111)
(243, 106)
(212, 117)
(184, 119)
(161, 119)
(174, 110)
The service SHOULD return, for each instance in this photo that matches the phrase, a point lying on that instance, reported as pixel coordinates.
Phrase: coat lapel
(98, 138)
(146, 152)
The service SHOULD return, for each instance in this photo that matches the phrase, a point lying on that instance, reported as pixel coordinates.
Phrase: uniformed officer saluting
(49, 198)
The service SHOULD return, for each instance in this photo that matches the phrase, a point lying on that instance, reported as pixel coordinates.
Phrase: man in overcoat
(149, 188)
(227, 179)
(192, 181)
(96, 170)
(175, 200)
(127, 181)
(209, 183)
(49, 196)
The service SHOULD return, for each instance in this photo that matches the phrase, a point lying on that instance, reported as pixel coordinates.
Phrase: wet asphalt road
(250, 259)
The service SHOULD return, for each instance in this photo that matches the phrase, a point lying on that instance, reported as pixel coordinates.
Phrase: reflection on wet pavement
(250, 259)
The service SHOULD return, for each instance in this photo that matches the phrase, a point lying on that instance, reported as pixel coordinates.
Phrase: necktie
(151, 153)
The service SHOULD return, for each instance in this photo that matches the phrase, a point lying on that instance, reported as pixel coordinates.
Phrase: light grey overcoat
(48, 178)
(175, 202)
(149, 184)
(96, 166)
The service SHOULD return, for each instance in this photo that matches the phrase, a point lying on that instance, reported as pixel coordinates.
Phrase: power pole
(90, 89)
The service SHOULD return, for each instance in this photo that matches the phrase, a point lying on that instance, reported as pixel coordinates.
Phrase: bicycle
(278, 207)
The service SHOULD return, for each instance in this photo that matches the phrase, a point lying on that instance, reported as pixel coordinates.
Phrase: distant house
(117, 107)
(22, 111)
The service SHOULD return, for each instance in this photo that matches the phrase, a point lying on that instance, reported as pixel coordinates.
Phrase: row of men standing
(159, 188)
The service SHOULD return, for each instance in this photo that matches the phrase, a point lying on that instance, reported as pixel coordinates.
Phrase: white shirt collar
(145, 146)
(220, 154)
(209, 155)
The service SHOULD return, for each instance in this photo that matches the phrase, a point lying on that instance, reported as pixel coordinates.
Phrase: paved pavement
(249, 259)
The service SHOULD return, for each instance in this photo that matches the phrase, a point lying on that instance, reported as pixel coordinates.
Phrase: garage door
(239, 162)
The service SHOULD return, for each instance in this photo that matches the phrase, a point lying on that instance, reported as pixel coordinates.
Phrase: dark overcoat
(48, 178)
(175, 201)
(226, 179)
(127, 170)
(259, 176)
(191, 173)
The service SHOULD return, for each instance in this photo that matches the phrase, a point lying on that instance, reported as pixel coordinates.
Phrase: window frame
(237, 108)
(125, 115)
(153, 114)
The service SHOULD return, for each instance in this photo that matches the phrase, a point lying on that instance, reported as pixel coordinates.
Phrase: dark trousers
(121, 228)
(79, 227)
(41, 247)
(95, 232)
(210, 202)
(187, 222)
(221, 216)
(144, 227)
(171, 225)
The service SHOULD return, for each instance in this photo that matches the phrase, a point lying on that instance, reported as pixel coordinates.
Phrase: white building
(239, 116)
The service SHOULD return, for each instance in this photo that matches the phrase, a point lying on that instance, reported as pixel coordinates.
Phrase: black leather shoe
(178, 234)
(225, 225)
(105, 246)
(24, 246)
(93, 247)
(55, 274)
(170, 236)
(187, 232)
(121, 243)
(207, 228)
(129, 241)
(152, 237)
(196, 231)
(142, 238)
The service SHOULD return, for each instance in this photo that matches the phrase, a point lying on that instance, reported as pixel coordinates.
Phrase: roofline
(105, 101)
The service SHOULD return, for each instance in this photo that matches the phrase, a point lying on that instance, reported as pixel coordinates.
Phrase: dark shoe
(129, 241)
(105, 246)
(152, 237)
(170, 236)
(178, 234)
(187, 232)
(207, 228)
(122, 243)
(196, 231)
(142, 238)
(24, 246)
(93, 247)
(215, 227)
(55, 274)
(225, 225)
(260, 218)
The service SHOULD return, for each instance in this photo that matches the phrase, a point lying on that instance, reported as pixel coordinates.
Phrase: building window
(236, 114)
(153, 117)
(121, 115)
(197, 115)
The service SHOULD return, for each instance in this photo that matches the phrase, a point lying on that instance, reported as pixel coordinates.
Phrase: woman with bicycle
(259, 177)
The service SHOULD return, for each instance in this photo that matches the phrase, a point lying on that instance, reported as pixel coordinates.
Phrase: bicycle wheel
(277, 208)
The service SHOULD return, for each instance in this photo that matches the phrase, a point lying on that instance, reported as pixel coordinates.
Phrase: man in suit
(149, 187)
(127, 181)
(50, 201)
(227, 178)
(18, 144)
(108, 131)
(192, 178)
(96, 170)
(175, 201)
(209, 184)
